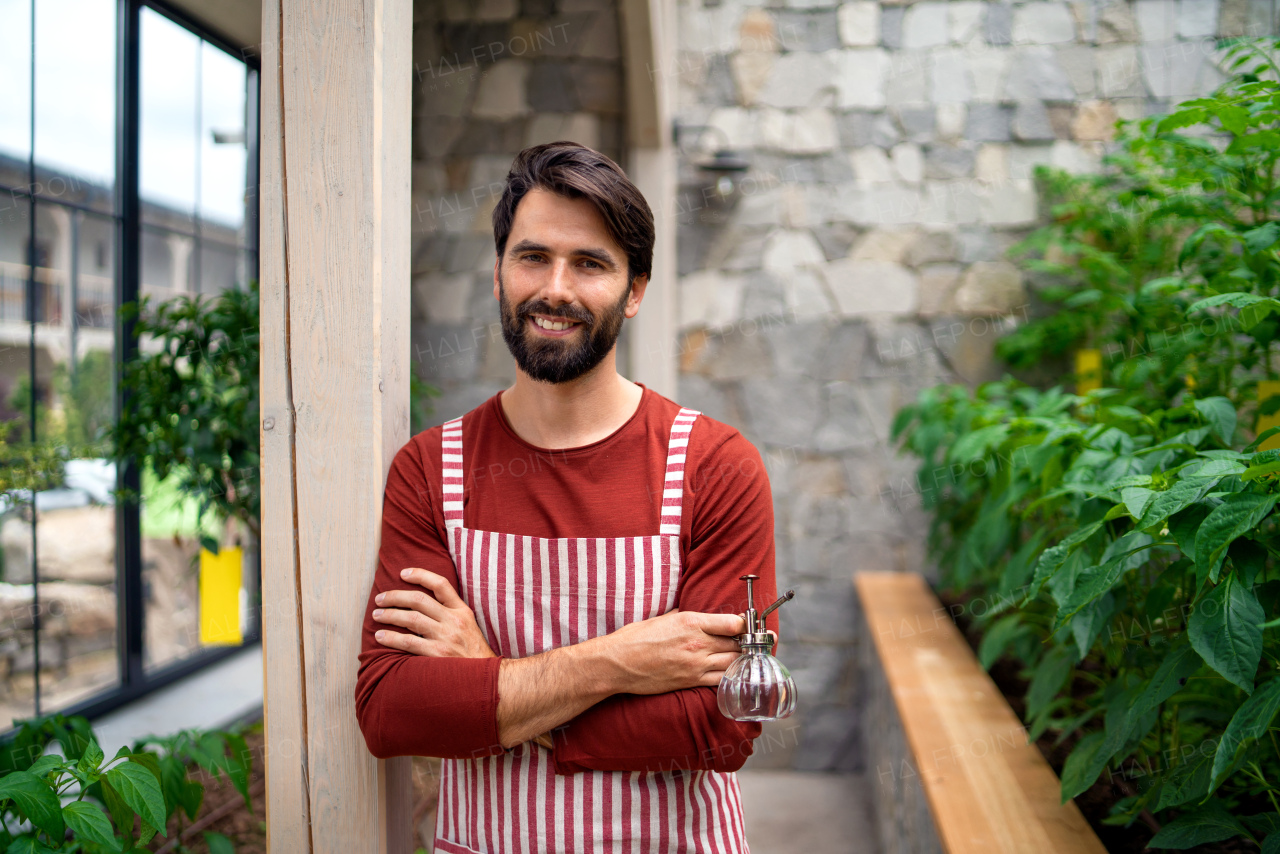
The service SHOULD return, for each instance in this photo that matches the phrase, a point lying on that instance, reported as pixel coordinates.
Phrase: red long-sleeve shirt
(416, 705)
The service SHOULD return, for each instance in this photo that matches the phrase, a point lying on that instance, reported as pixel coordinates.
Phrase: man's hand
(443, 627)
(675, 650)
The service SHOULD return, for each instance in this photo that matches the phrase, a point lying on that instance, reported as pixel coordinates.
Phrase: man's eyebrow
(597, 254)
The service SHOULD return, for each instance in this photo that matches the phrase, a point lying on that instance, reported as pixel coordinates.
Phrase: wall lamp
(722, 169)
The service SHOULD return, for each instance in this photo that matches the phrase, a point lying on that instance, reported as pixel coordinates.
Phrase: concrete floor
(790, 811)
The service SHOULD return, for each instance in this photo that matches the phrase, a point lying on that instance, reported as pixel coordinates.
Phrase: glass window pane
(94, 278)
(223, 151)
(170, 90)
(14, 236)
(75, 113)
(220, 268)
(15, 94)
(168, 261)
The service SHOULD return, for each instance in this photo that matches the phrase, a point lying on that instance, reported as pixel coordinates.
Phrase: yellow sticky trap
(220, 596)
(1088, 370)
(1268, 389)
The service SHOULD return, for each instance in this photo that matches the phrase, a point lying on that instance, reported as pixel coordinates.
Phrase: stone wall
(492, 77)
(891, 148)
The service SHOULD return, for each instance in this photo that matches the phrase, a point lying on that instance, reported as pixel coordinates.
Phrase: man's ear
(638, 284)
(497, 268)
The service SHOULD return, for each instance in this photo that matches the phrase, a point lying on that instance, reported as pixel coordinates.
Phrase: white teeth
(546, 324)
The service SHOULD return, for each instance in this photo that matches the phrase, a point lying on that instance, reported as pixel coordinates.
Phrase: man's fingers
(436, 583)
(721, 660)
(402, 641)
(412, 600)
(411, 620)
(722, 624)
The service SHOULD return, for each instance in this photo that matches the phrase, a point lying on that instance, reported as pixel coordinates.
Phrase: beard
(555, 360)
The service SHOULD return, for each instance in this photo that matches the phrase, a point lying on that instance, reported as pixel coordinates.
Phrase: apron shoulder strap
(451, 474)
(673, 488)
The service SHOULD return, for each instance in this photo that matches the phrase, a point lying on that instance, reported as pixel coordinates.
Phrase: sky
(189, 89)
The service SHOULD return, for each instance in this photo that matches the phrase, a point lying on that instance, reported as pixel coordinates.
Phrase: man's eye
(590, 262)
(533, 256)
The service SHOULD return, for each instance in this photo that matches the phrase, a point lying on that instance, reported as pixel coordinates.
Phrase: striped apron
(529, 595)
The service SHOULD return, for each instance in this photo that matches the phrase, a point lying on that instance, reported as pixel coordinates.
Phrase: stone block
(835, 238)
(1034, 74)
(445, 299)
(845, 426)
(1119, 72)
(698, 392)
(990, 287)
(871, 166)
(1116, 23)
(1157, 20)
(938, 284)
(750, 70)
(908, 79)
(1095, 120)
(1060, 118)
(986, 72)
(711, 299)
(1031, 122)
(807, 30)
(859, 23)
(757, 32)
(600, 41)
(763, 295)
(806, 296)
(737, 126)
(550, 88)
(597, 87)
(77, 544)
(884, 244)
(780, 411)
(1043, 22)
(787, 251)
(998, 26)
(989, 123)
(1076, 157)
(582, 128)
(1197, 18)
(1077, 61)
(501, 94)
(735, 355)
(864, 288)
(965, 21)
(925, 25)
(944, 162)
(891, 27)
(1023, 159)
(1233, 19)
(951, 120)
(916, 123)
(908, 163)
(933, 246)
(797, 347)
(1013, 203)
(863, 127)
(799, 80)
(949, 77)
(860, 77)
(1179, 69)
(807, 131)
(843, 353)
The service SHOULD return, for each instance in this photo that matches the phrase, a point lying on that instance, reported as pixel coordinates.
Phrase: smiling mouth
(553, 326)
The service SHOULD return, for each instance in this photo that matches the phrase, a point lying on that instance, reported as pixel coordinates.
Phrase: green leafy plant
(1124, 542)
(79, 801)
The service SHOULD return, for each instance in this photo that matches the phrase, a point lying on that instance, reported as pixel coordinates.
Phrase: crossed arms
(641, 698)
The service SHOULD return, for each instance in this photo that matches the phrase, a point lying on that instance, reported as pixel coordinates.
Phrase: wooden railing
(949, 760)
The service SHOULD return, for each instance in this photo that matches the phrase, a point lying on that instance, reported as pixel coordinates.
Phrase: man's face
(562, 267)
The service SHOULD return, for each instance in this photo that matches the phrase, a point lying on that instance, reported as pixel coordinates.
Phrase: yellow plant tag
(1268, 389)
(220, 597)
(1088, 370)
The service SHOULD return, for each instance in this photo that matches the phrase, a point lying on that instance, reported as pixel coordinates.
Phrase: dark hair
(577, 172)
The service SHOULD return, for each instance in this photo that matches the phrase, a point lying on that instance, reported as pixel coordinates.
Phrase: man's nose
(558, 288)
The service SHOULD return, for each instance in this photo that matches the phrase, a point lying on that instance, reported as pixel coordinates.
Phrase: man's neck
(572, 414)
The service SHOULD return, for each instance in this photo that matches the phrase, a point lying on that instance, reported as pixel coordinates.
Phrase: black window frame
(134, 679)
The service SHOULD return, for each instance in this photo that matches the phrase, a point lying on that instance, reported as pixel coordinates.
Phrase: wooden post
(649, 63)
(335, 250)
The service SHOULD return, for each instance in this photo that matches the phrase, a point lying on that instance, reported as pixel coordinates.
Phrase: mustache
(568, 312)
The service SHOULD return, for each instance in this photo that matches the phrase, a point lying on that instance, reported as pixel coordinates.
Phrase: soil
(224, 810)
(1096, 802)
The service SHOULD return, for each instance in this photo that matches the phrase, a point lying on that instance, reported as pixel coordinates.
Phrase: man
(558, 582)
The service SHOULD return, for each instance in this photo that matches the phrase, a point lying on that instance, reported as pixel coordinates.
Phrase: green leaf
(1049, 677)
(1262, 238)
(1136, 499)
(1080, 771)
(1220, 415)
(1226, 629)
(1237, 515)
(1271, 845)
(1248, 558)
(997, 639)
(1187, 782)
(92, 757)
(1134, 548)
(90, 823)
(1179, 665)
(139, 786)
(1261, 470)
(1262, 437)
(1052, 559)
(28, 845)
(121, 814)
(35, 800)
(218, 844)
(1210, 823)
(1185, 524)
(1249, 723)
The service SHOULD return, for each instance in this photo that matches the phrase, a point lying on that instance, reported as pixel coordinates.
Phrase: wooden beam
(335, 250)
(648, 57)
